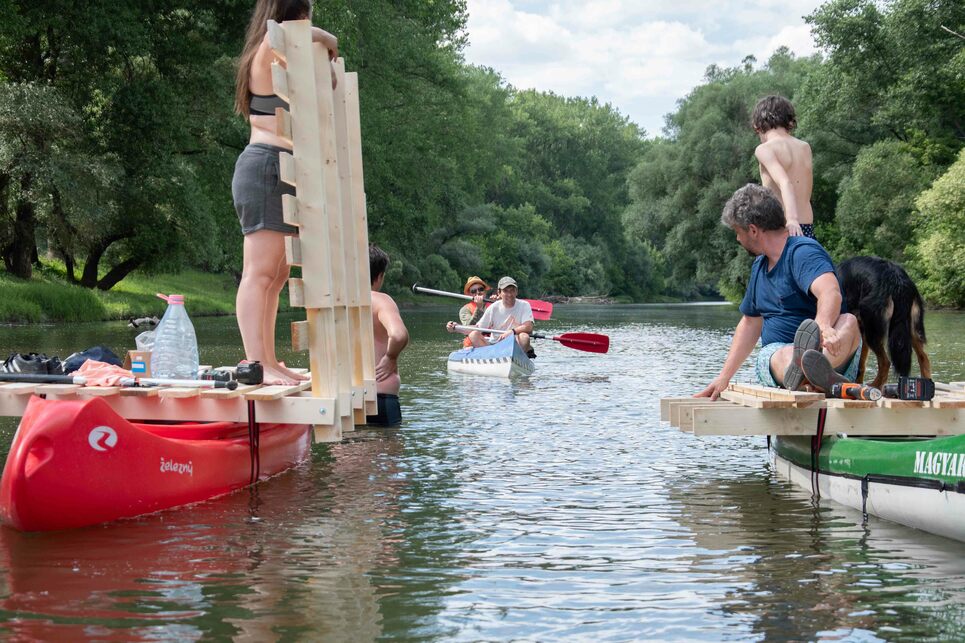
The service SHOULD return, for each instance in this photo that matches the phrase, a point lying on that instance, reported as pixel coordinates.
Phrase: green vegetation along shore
(48, 297)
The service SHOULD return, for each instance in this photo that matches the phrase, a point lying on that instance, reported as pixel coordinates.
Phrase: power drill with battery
(921, 389)
(245, 373)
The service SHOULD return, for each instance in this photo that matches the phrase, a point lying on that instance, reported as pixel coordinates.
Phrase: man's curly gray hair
(753, 205)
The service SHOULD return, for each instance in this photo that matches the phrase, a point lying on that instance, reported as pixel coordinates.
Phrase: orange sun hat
(472, 281)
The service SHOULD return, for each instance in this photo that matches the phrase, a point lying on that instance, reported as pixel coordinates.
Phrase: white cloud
(641, 56)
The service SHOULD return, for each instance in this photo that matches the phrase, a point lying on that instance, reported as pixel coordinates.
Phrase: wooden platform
(748, 409)
(290, 404)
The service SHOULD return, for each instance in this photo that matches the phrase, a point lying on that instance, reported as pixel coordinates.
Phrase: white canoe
(502, 359)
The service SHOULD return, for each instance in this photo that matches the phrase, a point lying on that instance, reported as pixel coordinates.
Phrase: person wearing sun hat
(509, 314)
(471, 313)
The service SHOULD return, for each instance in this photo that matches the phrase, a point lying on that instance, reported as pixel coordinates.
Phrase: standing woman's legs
(271, 315)
(263, 250)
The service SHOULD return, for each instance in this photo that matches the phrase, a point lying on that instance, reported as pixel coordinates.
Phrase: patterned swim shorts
(763, 368)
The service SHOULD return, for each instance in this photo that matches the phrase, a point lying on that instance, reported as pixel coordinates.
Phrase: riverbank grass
(48, 297)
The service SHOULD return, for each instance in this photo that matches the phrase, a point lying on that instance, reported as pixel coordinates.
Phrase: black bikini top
(259, 105)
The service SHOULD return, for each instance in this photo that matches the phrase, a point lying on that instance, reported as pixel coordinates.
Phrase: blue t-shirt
(782, 295)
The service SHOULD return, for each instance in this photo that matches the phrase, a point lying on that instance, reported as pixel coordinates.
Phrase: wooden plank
(293, 251)
(835, 403)
(307, 142)
(98, 391)
(771, 393)
(19, 388)
(665, 403)
(299, 335)
(179, 392)
(338, 236)
(59, 390)
(948, 403)
(686, 413)
(852, 421)
(755, 402)
(276, 392)
(364, 311)
(138, 391)
(293, 409)
(358, 339)
(223, 393)
(891, 403)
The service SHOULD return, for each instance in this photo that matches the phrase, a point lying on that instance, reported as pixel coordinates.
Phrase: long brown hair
(265, 10)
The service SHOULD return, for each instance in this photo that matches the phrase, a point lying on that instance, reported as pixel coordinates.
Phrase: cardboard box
(139, 363)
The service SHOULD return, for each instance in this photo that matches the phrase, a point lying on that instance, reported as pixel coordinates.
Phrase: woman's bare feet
(292, 374)
(275, 377)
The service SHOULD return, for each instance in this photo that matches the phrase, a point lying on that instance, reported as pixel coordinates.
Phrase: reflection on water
(553, 507)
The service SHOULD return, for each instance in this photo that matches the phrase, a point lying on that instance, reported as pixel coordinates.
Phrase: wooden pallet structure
(749, 409)
(331, 247)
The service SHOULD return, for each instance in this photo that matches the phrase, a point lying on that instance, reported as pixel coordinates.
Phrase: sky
(641, 56)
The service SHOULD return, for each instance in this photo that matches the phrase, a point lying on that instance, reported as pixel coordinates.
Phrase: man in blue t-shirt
(793, 302)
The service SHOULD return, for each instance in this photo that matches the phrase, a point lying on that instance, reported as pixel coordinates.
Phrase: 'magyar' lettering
(177, 467)
(939, 463)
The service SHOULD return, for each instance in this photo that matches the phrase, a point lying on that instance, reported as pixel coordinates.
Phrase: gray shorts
(257, 190)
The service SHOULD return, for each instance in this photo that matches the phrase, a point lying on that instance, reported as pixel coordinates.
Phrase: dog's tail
(906, 329)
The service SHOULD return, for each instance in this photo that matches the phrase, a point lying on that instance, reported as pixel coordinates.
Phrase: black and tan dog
(889, 308)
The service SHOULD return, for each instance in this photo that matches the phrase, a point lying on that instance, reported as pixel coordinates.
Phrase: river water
(554, 507)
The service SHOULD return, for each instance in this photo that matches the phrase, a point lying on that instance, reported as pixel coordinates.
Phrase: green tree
(940, 250)
(877, 202)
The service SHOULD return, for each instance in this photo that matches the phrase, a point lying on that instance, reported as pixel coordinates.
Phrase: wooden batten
(296, 292)
(299, 331)
(286, 169)
(19, 388)
(278, 42)
(279, 81)
(57, 390)
(293, 251)
(178, 392)
(755, 402)
(289, 209)
(283, 124)
(771, 393)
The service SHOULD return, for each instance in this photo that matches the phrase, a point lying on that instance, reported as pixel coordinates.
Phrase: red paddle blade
(542, 310)
(590, 342)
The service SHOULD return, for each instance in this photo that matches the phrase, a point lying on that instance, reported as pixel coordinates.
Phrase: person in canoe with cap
(471, 313)
(509, 314)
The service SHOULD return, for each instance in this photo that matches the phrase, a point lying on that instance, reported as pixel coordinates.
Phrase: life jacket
(465, 342)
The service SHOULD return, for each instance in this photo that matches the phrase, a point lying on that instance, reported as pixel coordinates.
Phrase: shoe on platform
(807, 337)
(31, 363)
(531, 354)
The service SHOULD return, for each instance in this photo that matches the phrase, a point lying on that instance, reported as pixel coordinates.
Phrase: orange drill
(854, 391)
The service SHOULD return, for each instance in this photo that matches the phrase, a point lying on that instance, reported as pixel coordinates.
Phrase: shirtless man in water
(391, 337)
(785, 162)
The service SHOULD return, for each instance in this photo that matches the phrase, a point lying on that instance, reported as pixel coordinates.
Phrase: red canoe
(78, 463)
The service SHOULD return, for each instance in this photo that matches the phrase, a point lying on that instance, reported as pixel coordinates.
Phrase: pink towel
(102, 374)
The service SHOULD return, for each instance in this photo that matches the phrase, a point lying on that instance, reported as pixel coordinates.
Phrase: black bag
(96, 353)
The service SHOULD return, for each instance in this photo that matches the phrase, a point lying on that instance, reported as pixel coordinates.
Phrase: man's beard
(750, 252)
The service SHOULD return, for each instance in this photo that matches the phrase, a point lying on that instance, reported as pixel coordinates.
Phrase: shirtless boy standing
(785, 162)
(391, 337)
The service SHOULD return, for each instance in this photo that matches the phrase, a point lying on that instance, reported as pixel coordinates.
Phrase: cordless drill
(853, 391)
(245, 373)
(911, 388)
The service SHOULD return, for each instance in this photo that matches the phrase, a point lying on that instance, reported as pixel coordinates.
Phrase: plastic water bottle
(175, 352)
